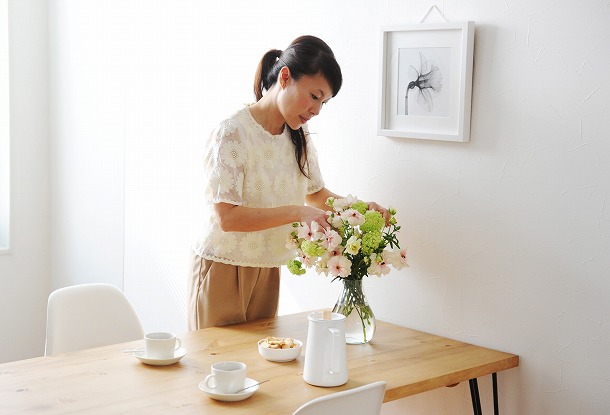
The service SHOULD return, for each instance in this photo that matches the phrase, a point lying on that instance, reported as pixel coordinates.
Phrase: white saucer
(178, 354)
(231, 397)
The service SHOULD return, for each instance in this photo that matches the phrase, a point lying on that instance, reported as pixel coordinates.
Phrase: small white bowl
(280, 355)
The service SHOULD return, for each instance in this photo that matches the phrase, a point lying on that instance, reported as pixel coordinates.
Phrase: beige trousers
(221, 294)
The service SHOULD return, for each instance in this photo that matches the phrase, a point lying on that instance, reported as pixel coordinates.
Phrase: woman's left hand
(384, 212)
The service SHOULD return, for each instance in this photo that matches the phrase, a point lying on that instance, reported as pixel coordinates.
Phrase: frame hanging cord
(434, 7)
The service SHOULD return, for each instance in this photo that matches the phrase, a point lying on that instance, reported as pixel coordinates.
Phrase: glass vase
(359, 318)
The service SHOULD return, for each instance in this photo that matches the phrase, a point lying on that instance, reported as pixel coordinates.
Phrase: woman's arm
(319, 198)
(234, 218)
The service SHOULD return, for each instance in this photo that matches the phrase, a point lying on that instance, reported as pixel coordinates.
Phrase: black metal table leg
(476, 400)
(494, 380)
(474, 394)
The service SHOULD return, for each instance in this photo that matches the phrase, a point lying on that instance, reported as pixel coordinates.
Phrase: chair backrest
(89, 315)
(363, 400)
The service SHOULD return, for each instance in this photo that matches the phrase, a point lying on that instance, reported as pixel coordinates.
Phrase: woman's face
(301, 100)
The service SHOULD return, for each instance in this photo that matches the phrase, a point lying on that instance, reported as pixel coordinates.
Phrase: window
(4, 131)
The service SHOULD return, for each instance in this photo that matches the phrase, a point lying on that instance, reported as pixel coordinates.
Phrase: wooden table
(105, 380)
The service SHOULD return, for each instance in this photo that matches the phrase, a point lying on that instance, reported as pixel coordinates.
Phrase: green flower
(360, 206)
(371, 242)
(295, 267)
(312, 249)
(373, 221)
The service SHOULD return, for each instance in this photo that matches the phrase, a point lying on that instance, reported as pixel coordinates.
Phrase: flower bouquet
(357, 243)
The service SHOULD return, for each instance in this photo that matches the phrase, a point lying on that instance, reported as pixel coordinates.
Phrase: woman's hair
(306, 55)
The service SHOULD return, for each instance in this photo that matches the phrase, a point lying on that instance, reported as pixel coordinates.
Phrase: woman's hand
(308, 214)
(319, 198)
(384, 212)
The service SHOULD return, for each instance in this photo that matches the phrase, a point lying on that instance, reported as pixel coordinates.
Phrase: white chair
(363, 400)
(89, 315)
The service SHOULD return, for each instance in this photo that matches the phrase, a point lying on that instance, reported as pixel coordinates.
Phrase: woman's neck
(266, 113)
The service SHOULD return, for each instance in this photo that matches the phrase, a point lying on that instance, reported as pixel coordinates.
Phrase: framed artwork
(426, 81)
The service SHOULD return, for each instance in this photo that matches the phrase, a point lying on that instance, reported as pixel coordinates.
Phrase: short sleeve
(225, 159)
(315, 181)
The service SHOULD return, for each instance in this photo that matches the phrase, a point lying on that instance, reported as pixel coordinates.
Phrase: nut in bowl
(280, 349)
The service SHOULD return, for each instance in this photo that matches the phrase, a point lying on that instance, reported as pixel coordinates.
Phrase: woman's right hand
(308, 214)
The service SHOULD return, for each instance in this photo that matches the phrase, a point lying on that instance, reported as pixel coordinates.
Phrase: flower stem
(352, 298)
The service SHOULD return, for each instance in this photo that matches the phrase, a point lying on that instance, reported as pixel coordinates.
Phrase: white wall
(87, 152)
(508, 235)
(5, 165)
(24, 270)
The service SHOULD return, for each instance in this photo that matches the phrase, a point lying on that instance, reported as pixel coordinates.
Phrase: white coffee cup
(161, 345)
(226, 377)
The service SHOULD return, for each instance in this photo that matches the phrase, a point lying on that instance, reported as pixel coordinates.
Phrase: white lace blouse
(246, 165)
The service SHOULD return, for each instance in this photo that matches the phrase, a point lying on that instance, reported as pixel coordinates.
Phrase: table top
(105, 380)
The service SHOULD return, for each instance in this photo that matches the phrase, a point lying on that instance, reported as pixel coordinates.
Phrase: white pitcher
(325, 354)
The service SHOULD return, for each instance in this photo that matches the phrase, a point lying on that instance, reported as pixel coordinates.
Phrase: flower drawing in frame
(423, 81)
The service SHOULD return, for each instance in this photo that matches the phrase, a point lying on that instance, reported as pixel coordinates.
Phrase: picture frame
(426, 81)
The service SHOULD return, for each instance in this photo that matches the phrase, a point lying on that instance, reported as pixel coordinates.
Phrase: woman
(262, 175)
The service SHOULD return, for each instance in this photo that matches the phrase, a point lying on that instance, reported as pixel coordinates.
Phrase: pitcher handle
(335, 365)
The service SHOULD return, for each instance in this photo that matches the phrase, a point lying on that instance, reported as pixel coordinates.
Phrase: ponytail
(264, 69)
